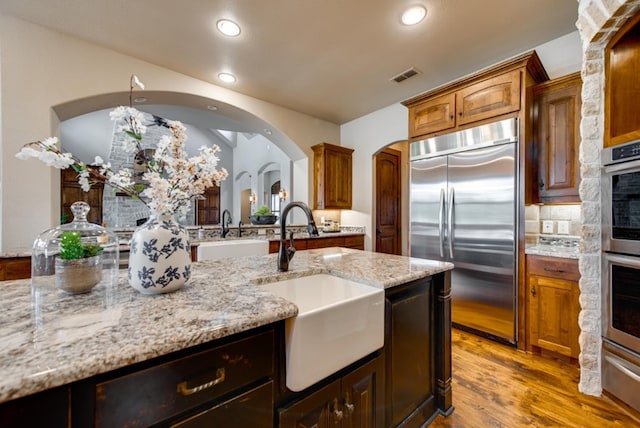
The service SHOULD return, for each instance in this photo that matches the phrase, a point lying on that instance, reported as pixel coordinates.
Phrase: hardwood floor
(497, 386)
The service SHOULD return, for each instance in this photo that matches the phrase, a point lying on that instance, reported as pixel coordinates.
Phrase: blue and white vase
(160, 256)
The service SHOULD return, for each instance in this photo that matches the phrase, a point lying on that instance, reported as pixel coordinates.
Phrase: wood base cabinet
(553, 305)
(354, 400)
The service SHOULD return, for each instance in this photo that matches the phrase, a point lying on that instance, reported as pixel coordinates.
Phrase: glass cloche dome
(75, 257)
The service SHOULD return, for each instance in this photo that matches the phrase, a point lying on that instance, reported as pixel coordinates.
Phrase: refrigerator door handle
(450, 221)
(441, 223)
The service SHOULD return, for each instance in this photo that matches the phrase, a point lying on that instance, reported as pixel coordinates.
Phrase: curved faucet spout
(286, 254)
(225, 225)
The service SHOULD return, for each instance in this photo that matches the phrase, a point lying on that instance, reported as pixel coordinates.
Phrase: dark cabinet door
(318, 410)
(409, 345)
(46, 409)
(363, 396)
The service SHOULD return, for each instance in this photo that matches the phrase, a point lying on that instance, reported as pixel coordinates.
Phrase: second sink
(233, 248)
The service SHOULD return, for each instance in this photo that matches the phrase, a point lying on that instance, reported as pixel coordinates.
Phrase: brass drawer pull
(186, 391)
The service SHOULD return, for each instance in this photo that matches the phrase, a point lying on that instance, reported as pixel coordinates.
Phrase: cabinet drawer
(253, 409)
(325, 242)
(554, 267)
(157, 393)
(356, 242)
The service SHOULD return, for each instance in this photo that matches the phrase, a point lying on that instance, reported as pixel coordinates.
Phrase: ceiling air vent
(405, 75)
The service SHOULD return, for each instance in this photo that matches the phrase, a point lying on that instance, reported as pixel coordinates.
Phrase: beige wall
(41, 69)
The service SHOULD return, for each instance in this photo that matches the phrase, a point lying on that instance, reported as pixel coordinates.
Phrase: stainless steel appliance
(464, 210)
(620, 272)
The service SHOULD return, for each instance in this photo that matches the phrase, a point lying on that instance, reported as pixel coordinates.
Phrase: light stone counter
(51, 339)
(553, 251)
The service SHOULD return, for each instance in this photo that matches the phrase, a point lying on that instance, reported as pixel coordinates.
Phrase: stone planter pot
(263, 219)
(79, 275)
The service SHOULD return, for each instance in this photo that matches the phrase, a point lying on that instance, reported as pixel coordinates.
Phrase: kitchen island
(54, 341)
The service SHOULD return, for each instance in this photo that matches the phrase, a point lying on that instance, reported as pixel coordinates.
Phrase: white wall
(41, 69)
(370, 133)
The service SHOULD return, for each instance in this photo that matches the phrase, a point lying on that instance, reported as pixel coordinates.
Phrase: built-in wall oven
(621, 272)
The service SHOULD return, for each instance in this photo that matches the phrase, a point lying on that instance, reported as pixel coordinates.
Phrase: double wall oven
(621, 272)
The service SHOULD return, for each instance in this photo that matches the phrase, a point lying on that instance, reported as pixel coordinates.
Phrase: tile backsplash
(551, 220)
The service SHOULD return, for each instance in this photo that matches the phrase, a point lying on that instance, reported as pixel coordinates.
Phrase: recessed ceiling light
(228, 27)
(267, 131)
(227, 77)
(212, 108)
(413, 15)
(139, 100)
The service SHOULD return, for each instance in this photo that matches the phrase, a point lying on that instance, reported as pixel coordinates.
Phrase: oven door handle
(624, 260)
(621, 166)
(622, 368)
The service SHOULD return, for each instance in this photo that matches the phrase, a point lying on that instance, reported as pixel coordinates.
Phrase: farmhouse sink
(233, 248)
(339, 321)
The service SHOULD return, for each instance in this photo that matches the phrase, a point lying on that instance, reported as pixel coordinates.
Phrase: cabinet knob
(337, 413)
(541, 183)
(533, 291)
(349, 406)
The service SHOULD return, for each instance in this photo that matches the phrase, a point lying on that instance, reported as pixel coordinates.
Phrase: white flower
(172, 178)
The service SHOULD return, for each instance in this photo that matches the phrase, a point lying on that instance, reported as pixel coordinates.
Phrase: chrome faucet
(225, 225)
(286, 254)
(240, 223)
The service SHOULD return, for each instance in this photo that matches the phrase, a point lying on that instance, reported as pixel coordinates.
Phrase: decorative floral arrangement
(171, 179)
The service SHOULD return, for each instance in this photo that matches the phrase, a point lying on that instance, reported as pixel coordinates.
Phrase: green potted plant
(263, 215)
(78, 266)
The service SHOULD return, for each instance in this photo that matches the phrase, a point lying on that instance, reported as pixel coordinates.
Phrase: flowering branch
(172, 178)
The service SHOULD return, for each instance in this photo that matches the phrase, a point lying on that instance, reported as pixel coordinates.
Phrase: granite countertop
(52, 338)
(553, 250)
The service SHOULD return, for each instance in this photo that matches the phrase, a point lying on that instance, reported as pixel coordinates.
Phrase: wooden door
(388, 202)
(209, 207)
(72, 192)
(314, 411)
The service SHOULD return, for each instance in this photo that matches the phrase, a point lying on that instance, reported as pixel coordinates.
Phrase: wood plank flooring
(497, 386)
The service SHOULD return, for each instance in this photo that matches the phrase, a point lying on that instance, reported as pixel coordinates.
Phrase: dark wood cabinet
(493, 93)
(553, 305)
(409, 344)
(356, 242)
(556, 137)
(15, 268)
(221, 379)
(45, 409)
(354, 400)
(332, 167)
(622, 86)
(253, 408)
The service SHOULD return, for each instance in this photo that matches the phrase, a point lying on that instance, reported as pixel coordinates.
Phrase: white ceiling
(332, 59)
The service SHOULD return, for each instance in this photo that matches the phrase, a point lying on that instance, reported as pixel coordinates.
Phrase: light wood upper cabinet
(332, 167)
(489, 98)
(495, 92)
(556, 138)
(622, 86)
(553, 305)
(433, 115)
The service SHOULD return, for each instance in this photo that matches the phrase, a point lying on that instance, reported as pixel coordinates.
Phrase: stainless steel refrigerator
(463, 210)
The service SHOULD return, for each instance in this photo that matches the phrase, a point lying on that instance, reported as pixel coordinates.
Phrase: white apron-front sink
(339, 321)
